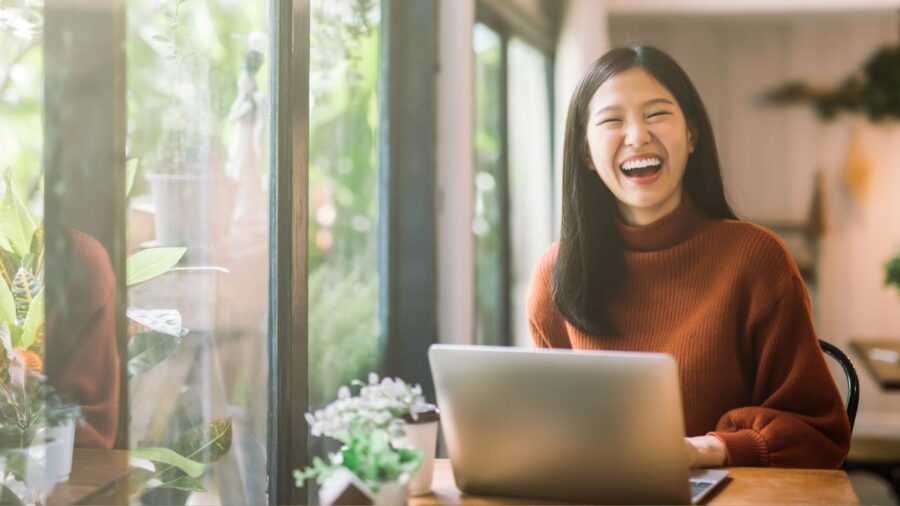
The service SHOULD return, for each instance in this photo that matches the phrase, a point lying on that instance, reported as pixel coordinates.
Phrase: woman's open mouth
(642, 170)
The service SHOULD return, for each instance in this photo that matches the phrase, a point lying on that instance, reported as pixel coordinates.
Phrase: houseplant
(370, 428)
(30, 410)
(892, 272)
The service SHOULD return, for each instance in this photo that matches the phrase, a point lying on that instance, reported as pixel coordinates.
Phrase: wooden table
(98, 477)
(882, 359)
(746, 485)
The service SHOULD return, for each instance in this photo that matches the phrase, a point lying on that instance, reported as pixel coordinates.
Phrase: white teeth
(637, 164)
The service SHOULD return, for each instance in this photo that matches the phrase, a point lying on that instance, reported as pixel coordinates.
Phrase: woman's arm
(796, 418)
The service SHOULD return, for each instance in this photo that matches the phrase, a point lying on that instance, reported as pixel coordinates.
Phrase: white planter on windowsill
(59, 457)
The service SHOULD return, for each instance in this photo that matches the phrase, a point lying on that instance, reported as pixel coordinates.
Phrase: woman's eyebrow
(658, 101)
(648, 103)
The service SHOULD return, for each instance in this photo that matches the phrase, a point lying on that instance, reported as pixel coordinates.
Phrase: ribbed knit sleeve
(548, 328)
(796, 418)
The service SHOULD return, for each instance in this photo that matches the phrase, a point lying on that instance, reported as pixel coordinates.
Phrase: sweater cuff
(745, 448)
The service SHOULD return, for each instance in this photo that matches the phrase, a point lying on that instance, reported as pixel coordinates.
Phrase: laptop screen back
(561, 424)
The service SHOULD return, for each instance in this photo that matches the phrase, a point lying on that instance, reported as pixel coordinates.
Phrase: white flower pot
(422, 435)
(391, 494)
(59, 457)
(343, 487)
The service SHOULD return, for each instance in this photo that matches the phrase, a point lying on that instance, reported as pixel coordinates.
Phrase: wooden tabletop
(882, 359)
(97, 478)
(746, 485)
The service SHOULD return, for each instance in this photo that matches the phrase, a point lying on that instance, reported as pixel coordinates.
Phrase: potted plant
(375, 456)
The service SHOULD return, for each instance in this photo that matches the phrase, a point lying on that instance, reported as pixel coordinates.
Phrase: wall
(771, 154)
(455, 171)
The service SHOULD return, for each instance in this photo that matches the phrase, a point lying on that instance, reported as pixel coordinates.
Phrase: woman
(651, 258)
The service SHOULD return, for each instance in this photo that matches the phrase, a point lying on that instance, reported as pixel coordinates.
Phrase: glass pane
(344, 327)
(530, 174)
(197, 227)
(24, 427)
(487, 211)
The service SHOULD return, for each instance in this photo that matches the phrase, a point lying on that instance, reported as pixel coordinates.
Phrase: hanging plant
(874, 90)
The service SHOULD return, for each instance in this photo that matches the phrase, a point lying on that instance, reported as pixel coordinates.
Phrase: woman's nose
(637, 134)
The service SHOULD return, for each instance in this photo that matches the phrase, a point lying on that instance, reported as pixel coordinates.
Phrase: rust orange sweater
(726, 300)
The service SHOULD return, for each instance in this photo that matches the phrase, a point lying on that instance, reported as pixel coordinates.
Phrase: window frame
(288, 337)
(508, 22)
(407, 176)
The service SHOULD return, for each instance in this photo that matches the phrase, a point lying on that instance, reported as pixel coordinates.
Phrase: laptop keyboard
(699, 487)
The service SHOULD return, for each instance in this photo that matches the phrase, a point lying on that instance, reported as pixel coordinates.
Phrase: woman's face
(639, 143)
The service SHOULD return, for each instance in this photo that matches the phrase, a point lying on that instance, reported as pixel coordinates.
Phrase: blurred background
(804, 98)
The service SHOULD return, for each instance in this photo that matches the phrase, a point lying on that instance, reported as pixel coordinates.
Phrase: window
(235, 154)
(344, 326)
(197, 98)
(512, 213)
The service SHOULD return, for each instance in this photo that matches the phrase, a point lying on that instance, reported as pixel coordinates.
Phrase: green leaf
(167, 456)
(9, 265)
(37, 250)
(7, 303)
(147, 349)
(16, 223)
(164, 321)
(15, 335)
(130, 170)
(33, 321)
(150, 263)
(185, 483)
(206, 442)
(6, 340)
(24, 288)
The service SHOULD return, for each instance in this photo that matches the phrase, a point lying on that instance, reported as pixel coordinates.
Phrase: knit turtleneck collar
(671, 229)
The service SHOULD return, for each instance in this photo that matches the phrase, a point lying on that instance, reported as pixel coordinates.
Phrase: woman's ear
(692, 140)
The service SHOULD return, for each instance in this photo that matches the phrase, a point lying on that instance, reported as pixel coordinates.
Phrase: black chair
(852, 379)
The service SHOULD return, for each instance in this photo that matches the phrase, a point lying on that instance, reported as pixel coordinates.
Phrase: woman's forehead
(634, 87)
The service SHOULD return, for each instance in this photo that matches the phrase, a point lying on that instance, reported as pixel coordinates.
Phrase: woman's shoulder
(540, 287)
(755, 248)
(547, 259)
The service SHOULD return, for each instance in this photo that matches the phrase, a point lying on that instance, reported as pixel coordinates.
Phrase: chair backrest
(852, 394)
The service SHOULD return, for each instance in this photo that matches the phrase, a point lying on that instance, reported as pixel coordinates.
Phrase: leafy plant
(367, 425)
(892, 272)
(180, 465)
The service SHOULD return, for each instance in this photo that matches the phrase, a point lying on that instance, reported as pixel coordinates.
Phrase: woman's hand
(704, 451)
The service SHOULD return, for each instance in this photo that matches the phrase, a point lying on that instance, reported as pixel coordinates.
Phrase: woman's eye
(609, 121)
(658, 113)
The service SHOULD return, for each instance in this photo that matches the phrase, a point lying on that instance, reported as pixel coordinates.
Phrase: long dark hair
(590, 266)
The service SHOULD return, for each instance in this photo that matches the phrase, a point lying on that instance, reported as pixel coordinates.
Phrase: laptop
(563, 425)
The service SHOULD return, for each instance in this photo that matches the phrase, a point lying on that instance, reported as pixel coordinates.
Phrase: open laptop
(600, 427)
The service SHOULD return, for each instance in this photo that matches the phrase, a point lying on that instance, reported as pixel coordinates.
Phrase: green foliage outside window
(343, 228)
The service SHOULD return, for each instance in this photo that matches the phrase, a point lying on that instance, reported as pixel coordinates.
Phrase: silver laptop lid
(561, 424)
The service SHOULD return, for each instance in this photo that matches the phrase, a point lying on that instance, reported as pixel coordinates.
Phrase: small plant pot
(421, 433)
(391, 494)
(59, 457)
(344, 488)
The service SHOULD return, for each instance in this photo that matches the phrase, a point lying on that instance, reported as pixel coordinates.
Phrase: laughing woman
(652, 258)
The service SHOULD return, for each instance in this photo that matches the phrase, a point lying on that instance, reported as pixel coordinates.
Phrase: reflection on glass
(198, 233)
(33, 415)
(344, 327)
(529, 172)
(487, 211)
